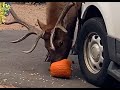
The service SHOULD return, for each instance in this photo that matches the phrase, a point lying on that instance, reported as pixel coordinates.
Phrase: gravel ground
(28, 12)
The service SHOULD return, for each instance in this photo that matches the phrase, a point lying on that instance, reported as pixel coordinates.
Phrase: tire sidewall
(93, 25)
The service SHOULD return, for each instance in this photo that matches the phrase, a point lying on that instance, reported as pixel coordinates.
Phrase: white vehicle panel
(111, 15)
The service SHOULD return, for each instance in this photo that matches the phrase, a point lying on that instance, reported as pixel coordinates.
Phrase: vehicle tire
(93, 52)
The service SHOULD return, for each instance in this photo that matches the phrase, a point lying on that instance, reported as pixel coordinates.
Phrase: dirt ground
(6, 86)
(28, 12)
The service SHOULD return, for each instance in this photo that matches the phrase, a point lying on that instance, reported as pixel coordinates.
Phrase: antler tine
(64, 12)
(22, 38)
(34, 46)
(60, 22)
(17, 19)
(22, 22)
(31, 29)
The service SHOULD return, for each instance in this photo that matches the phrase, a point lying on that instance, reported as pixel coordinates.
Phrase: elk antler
(31, 29)
(59, 23)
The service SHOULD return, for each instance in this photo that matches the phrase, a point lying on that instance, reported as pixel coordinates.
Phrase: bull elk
(57, 33)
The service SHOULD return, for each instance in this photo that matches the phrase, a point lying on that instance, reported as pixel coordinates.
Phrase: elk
(57, 33)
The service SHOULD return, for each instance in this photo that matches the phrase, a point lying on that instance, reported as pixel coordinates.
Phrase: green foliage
(4, 11)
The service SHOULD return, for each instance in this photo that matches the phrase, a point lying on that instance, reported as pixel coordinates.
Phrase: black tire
(95, 26)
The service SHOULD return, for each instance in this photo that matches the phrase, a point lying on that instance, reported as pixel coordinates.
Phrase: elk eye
(60, 43)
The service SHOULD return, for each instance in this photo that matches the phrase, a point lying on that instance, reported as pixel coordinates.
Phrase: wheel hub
(95, 52)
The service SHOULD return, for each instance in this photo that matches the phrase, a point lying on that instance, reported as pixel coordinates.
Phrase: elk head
(57, 39)
(60, 40)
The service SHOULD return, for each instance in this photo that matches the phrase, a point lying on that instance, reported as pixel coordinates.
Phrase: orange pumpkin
(61, 69)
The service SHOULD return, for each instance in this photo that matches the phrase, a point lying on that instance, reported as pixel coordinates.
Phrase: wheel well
(90, 12)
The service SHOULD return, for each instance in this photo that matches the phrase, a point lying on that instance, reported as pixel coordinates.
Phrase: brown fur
(54, 10)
